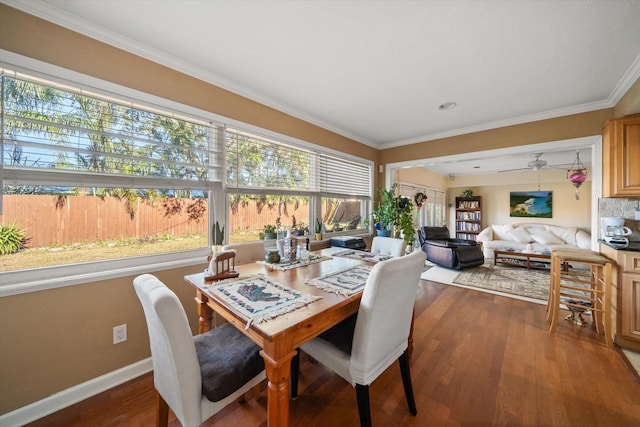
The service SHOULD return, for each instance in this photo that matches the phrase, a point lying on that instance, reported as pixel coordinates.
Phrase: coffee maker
(614, 232)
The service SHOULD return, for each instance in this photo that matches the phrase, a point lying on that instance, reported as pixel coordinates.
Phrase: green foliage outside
(12, 239)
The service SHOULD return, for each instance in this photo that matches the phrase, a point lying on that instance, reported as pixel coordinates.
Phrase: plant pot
(268, 236)
(318, 236)
(383, 233)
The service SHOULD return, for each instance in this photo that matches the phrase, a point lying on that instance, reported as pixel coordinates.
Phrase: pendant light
(577, 173)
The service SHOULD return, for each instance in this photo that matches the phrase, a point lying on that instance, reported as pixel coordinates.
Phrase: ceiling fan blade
(516, 170)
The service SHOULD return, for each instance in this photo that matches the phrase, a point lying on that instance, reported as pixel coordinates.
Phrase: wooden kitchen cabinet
(626, 303)
(621, 157)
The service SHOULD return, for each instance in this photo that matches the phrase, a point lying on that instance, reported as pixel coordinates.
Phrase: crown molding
(551, 114)
(49, 12)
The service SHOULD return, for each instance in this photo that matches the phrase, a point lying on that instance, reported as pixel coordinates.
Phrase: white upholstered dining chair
(247, 252)
(360, 348)
(387, 246)
(194, 376)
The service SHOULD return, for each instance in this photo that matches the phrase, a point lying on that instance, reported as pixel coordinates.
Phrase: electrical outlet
(119, 334)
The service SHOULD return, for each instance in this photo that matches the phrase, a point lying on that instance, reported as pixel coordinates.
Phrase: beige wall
(55, 339)
(630, 102)
(421, 176)
(495, 202)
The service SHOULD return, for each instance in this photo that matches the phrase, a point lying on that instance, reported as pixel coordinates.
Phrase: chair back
(387, 246)
(247, 252)
(433, 233)
(176, 372)
(384, 317)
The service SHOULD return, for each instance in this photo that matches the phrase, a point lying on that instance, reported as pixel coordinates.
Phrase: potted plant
(217, 234)
(336, 225)
(268, 232)
(468, 193)
(354, 222)
(318, 229)
(404, 222)
(382, 215)
(298, 228)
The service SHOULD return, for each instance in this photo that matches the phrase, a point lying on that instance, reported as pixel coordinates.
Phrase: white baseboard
(75, 394)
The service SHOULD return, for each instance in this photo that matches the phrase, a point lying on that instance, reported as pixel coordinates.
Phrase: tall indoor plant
(383, 214)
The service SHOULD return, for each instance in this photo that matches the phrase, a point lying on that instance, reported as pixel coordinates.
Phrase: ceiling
(377, 72)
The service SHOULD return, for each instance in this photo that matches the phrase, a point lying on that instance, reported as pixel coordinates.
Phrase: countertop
(632, 246)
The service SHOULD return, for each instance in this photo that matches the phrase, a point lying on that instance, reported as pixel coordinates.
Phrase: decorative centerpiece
(289, 248)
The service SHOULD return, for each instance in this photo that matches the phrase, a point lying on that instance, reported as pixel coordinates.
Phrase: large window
(90, 176)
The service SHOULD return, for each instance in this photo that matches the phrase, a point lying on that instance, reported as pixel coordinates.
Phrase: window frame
(24, 281)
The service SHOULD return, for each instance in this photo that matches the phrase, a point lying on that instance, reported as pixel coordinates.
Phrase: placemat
(362, 256)
(259, 299)
(345, 282)
(283, 266)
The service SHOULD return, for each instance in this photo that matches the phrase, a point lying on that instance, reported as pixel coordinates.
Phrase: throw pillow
(545, 237)
(520, 235)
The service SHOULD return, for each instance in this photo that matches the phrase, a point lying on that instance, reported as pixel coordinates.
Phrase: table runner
(345, 282)
(259, 299)
(283, 266)
(363, 256)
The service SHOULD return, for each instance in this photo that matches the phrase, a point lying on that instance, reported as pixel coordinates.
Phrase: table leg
(278, 373)
(205, 313)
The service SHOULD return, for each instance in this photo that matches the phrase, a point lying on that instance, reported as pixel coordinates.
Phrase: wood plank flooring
(479, 360)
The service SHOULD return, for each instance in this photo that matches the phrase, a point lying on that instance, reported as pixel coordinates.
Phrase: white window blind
(340, 176)
(255, 162)
(258, 163)
(65, 136)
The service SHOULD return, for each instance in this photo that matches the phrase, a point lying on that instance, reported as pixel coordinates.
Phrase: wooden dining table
(280, 336)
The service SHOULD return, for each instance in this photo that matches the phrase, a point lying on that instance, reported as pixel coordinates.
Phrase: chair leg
(162, 411)
(295, 367)
(364, 410)
(406, 382)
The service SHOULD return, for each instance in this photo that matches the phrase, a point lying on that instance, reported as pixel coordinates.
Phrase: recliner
(447, 252)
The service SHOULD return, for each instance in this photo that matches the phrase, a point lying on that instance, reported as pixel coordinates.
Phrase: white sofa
(541, 237)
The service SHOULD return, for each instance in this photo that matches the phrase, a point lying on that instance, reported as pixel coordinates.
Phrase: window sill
(40, 279)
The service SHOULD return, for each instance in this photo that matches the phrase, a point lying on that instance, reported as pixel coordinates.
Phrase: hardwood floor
(478, 360)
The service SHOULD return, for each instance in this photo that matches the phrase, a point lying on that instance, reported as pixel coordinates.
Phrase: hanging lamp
(577, 173)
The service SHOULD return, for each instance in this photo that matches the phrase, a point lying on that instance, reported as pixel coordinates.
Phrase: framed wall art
(531, 204)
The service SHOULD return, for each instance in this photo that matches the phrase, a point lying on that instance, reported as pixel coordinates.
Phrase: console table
(521, 259)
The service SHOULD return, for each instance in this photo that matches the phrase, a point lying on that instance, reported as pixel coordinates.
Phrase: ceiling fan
(536, 165)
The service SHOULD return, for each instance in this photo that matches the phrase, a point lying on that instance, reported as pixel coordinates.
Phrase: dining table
(280, 336)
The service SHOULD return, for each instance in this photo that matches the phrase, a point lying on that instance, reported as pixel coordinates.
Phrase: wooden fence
(51, 220)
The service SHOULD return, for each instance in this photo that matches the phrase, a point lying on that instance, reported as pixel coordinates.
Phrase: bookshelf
(468, 217)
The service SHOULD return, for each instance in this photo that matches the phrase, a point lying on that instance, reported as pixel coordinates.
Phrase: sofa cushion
(546, 237)
(567, 234)
(501, 232)
(519, 234)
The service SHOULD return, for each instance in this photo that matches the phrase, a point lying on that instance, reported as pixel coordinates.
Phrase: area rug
(529, 285)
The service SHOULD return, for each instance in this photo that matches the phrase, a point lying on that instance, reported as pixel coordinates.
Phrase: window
(275, 184)
(90, 176)
(86, 177)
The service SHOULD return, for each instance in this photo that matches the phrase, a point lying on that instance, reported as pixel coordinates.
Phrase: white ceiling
(377, 71)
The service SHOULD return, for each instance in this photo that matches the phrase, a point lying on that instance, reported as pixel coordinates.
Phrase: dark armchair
(447, 252)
